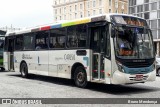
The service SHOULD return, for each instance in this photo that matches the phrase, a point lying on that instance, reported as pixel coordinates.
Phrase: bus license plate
(139, 77)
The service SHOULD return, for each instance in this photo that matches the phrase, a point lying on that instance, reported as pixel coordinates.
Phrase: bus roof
(96, 18)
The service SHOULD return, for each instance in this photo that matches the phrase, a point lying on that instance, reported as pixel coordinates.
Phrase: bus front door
(97, 44)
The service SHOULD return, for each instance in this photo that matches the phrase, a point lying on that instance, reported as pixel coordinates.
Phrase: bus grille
(134, 78)
(137, 65)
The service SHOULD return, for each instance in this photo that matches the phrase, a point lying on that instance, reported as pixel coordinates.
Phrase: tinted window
(76, 36)
(41, 40)
(19, 42)
(29, 41)
(57, 38)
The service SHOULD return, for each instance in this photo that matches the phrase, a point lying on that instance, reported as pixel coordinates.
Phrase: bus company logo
(6, 101)
(69, 57)
(24, 56)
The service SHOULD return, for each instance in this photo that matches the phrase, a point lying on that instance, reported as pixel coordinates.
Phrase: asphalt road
(12, 85)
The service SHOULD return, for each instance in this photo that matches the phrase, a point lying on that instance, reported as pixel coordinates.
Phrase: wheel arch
(23, 61)
(75, 65)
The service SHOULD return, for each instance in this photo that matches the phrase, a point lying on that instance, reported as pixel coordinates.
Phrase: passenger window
(19, 42)
(42, 40)
(29, 41)
(76, 36)
(57, 38)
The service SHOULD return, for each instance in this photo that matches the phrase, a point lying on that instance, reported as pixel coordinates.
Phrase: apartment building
(73, 9)
(150, 10)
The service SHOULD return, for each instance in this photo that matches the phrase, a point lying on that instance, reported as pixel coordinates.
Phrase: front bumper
(123, 78)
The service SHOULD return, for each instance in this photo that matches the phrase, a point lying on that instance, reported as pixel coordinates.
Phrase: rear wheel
(80, 77)
(24, 70)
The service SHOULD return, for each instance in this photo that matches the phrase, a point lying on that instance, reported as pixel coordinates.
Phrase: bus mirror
(113, 31)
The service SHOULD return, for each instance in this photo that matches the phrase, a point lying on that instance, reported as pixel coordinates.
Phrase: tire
(24, 70)
(2, 69)
(80, 77)
(158, 72)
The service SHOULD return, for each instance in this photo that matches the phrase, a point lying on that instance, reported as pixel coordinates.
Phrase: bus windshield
(133, 42)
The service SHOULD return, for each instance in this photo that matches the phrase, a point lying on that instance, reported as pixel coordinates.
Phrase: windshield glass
(133, 42)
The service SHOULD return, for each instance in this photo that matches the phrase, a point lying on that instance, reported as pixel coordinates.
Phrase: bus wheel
(80, 77)
(158, 72)
(24, 70)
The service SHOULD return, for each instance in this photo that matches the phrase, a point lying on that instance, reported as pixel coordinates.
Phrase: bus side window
(57, 44)
(29, 41)
(77, 36)
(72, 37)
(18, 43)
(42, 40)
(57, 38)
(82, 35)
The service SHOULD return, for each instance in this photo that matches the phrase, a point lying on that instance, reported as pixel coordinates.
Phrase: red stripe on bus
(46, 28)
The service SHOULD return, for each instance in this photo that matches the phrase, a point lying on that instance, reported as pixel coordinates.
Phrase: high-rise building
(73, 9)
(150, 10)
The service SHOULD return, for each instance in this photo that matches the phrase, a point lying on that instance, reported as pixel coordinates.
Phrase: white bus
(109, 49)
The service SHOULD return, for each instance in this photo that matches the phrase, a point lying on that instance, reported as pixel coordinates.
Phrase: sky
(25, 13)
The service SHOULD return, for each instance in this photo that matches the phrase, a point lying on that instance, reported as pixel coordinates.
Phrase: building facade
(150, 10)
(73, 9)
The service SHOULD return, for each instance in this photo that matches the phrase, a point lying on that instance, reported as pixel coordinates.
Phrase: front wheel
(80, 77)
(24, 70)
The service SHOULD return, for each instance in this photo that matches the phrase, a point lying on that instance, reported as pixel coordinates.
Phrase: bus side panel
(29, 57)
(61, 62)
(41, 61)
(58, 65)
(6, 60)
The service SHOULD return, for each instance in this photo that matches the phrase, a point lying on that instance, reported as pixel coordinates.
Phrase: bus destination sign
(130, 20)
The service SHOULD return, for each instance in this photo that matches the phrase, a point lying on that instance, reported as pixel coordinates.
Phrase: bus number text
(69, 57)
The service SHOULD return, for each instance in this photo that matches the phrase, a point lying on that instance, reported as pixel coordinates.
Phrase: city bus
(108, 49)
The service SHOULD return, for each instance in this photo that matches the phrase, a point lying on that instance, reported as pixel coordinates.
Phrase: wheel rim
(80, 77)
